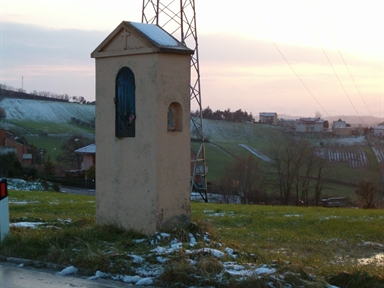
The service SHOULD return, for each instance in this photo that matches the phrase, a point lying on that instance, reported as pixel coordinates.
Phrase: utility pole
(178, 18)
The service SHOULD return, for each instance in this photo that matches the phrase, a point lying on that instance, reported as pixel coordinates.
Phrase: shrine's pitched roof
(138, 38)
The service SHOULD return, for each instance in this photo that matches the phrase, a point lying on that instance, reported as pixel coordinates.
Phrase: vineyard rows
(379, 152)
(355, 155)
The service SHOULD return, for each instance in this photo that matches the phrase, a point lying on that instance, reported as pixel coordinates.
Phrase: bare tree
(367, 193)
(321, 175)
(285, 164)
(296, 171)
(243, 179)
(304, 173)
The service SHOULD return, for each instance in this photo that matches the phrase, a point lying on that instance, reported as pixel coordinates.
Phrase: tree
(207, 113)
(296, 171)
(37, 158)
(304, 173)
(91, 173)
(367, 193)
(49, 168)
(322, 172)
(10, 165)
(242, 178)
(227, 114)
(3, 114)
(217, 115)
(69, 147)
(285, 165)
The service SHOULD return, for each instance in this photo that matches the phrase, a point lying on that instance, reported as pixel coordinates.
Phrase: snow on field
(46, 111)
(352, 140)
(146, 272)
(226, 131)
(257, 153)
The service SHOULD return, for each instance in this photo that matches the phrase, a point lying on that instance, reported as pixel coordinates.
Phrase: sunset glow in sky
(289, 57)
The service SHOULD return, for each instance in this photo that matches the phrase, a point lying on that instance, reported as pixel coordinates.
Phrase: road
(74, 190)
(14, 276)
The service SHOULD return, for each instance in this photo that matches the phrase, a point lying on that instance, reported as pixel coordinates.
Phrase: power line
(346, 66)
(294, 71)
(330, 63)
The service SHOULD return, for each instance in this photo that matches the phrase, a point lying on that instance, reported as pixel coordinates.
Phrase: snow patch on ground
(68, 271)
(32, 225)
(216, 198)
(19, 184)
(214, 252)
(377, 259)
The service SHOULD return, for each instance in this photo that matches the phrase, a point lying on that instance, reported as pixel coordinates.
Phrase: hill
(45, 110)
(47, 123)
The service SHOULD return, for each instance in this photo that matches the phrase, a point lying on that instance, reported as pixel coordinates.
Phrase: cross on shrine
(125, 35)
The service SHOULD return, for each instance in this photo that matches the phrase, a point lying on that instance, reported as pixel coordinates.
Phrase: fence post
(4, 210)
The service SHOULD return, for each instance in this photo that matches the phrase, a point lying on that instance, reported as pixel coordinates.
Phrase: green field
(223, 147)
(304, 247)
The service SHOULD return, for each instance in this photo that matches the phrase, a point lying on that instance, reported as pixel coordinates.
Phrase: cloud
(55, 60)
(236, 50)
(236, 72)
(26, 44)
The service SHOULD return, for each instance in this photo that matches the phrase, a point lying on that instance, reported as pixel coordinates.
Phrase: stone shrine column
(142, 129)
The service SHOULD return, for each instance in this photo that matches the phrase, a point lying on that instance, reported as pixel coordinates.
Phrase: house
(309, 125)
(89, 156)
(379, 130)
(340, 127)
(8, 144)
(268, 117)
(289, 123)
(339, 124)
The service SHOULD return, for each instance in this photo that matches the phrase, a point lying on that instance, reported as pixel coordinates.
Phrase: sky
(298, 58)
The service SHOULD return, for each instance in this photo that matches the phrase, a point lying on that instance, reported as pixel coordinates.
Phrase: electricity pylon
(178, 18)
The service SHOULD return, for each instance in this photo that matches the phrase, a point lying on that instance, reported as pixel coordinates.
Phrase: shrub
(3, 115)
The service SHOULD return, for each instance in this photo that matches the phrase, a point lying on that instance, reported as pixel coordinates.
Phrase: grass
(51, 127)
(327, 243)
(51, 144)
(227, 135)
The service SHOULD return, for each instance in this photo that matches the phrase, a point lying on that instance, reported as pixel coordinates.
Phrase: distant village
(317, 125)
(300, 125)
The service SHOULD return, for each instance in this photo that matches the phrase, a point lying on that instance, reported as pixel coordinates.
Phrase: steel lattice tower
(178, 18)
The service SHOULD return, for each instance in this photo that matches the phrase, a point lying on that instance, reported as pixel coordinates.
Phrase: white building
(268, 117)
(290, 123)
(379, 130)
(339, 124)
(309, 125)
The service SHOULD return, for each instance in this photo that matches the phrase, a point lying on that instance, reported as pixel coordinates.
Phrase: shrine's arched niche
(125, 113)
(174, 117)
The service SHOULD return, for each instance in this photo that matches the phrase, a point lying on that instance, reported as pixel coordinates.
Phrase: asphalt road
(74, 190)
(13, 276)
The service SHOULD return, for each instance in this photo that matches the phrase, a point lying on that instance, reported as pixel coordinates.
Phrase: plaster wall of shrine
(143, 177)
